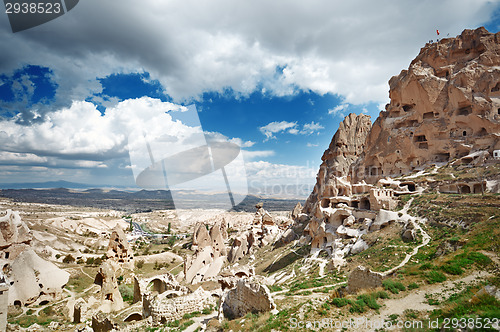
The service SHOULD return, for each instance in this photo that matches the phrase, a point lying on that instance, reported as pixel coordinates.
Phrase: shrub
(479, 258)
(357, 306)
(127, 293)
(454, 269)
(207, 311)
(175, 323)
(191, 315)
(426, 266)
(68, 259)
(370, 301)
(139, 264)
(433, 277)
(90, 261)
(381, 295)
(171, 240)
(393, 286)
(275, 288)
(413, 285)
(340, 302)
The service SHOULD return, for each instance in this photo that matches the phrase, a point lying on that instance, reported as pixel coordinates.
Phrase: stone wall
(163, 309)
(363, 278)
(246, 297)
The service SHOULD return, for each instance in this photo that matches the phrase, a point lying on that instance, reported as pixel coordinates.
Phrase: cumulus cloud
(275, 127)
(310, 128)
(340, 47)
(81, 137)
(251, 155)
(215, 136)
(339, 110)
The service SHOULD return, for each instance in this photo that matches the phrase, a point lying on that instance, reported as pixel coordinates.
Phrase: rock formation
(15, 236)
(363, 278)
(109, 295)
(262, 232)
(4, 301)
(346, 146)
(102, 323)
(119, 250)
(445, 106)
(210, 253)
(163, 309)
(32, 279)
(247, 296)
(158, 284)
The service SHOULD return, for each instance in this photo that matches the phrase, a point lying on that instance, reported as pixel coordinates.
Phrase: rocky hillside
(445, 106)
(346, 146)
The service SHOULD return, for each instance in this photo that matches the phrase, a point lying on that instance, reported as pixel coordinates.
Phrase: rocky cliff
(346, 146)
(445, 106)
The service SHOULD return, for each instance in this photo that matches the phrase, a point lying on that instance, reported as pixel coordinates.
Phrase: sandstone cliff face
(210, 253)
(445, 106)
(119, 250)
(346, 146)
(32, 278)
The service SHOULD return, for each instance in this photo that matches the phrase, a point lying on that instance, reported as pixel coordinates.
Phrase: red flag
(437, 31)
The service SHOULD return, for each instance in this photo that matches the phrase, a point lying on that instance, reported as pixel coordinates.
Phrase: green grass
(393, 286)
(358, 306)
(413, 286)
(433, 277)
(362, 302)
(127, 293)
(466, 305)
(191, 315)
(453, 269)
(340, 302)
(275, 288)
(370, 301)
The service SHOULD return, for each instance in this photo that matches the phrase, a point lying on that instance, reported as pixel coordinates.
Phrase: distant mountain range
(50, 184)
(133, 201)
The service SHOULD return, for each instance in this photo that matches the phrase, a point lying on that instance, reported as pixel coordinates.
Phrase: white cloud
(236, 140)
(275, 127)
(340, 47)
(339, 110)
(310, 128)
(290, 127)
(311, 145)
(250, 155)
(81, 137)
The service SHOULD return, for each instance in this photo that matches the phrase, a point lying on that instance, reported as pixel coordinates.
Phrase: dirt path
(417, 300)
(201, 322)
(280, 294)
(415, 221)
(492, 256)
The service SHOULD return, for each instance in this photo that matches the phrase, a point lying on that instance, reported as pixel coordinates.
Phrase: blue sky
(275, 78)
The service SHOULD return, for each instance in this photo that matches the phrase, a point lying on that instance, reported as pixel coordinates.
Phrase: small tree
(68, 259)
(139, 264)
(169, 229)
